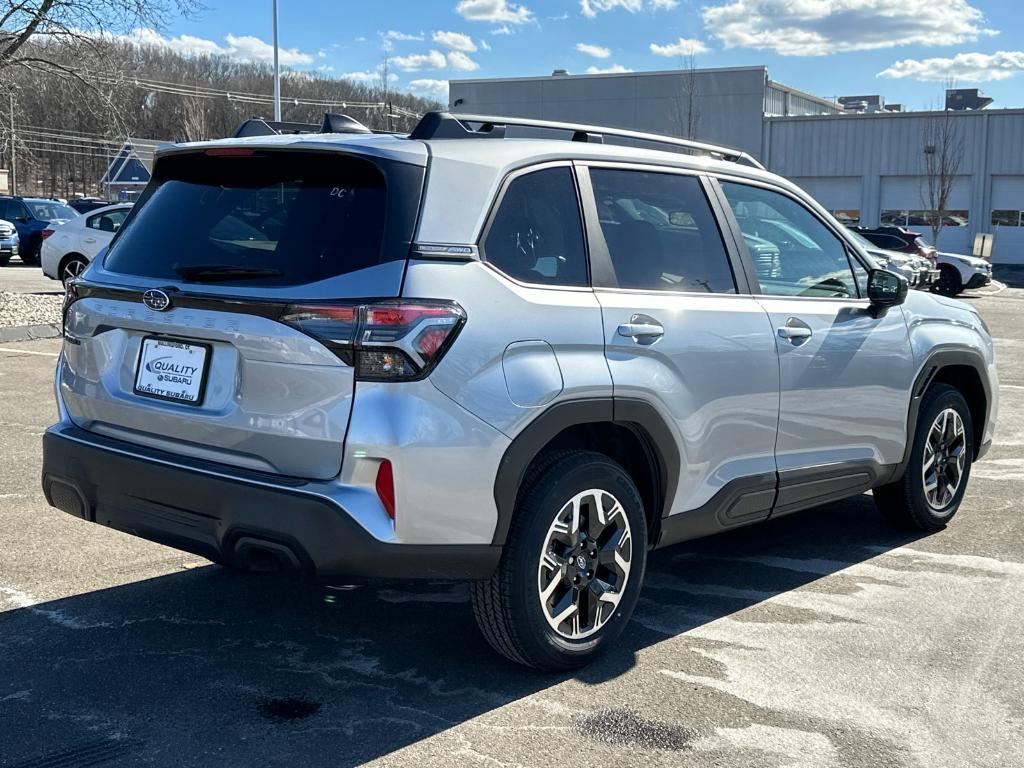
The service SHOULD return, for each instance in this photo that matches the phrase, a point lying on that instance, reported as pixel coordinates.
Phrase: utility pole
(277, 72)
(14, 161)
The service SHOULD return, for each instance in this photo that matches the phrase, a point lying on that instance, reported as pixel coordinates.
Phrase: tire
(68, 269)
(905, 502)
(949, 283)
(508, 606)
(30, 259)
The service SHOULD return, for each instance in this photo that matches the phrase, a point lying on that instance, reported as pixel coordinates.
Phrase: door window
(794, 253)
(660, 232)
(536, 235)
(107, 222)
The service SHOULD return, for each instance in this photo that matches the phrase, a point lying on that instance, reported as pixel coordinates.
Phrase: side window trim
(496, 206)
(601, 270)
(851, 252)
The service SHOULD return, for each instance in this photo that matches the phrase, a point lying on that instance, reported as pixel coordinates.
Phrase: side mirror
(886, 289)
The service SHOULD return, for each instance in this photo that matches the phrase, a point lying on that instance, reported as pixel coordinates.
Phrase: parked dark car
(898, 239)
(34, 218)
(87, 204)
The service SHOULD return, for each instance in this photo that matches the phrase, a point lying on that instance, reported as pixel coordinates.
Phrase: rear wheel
(572, 568)
(930, 491)
(72, 267)
(949, 282)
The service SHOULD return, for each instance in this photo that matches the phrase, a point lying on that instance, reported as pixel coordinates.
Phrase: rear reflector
(394, 340)
(386, 487)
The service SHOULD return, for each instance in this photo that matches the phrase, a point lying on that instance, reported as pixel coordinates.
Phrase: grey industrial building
(861, 158)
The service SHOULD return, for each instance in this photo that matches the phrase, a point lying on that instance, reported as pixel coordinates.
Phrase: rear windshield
(267, 218)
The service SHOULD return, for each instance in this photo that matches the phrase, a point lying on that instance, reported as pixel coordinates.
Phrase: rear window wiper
(212, 272)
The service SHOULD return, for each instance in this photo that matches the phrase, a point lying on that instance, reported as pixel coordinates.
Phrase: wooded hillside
(68, 125)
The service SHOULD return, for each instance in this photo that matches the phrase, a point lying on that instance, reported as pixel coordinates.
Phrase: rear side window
(660, 232)
(270, 218)
(536, 235)
(107, 222)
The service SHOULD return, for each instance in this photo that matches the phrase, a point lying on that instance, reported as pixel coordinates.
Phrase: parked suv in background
(916, 269)
(523, 363)
(958, 272)
(34, 218)
(9, 242)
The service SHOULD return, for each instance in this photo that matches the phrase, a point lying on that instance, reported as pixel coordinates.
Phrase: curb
(29, 333)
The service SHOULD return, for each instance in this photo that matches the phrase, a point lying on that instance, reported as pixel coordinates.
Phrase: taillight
(46, 233)
(395, 340)
(70, 297)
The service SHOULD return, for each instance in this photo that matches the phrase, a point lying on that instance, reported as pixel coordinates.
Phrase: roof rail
(445, 125)
(332, 123)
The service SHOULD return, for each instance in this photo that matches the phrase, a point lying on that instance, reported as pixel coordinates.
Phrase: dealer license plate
(172, 370)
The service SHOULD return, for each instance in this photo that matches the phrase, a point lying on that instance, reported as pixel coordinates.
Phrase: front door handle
(642, 329)
(795, 330)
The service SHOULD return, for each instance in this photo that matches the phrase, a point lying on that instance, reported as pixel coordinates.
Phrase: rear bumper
(248, 519)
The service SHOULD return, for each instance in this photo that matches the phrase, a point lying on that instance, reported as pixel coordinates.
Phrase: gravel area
(18, 309)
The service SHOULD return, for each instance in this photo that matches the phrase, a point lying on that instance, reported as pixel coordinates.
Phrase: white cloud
(417, 61)
(437, 89)
(460, 62)
(485, 45)
(682, 47)
(614, 69)
(504, 29)
(456, 41)
(361, 77)
(821, 27)
(394, 34)
(494, 11)
(241, 47)
(597, 51)
(590, 8)
(975, 67)
(324, 68)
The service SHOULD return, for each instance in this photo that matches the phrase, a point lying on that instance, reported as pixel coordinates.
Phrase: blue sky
(904, 49)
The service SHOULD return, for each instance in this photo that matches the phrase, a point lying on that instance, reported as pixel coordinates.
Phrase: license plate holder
(173, 370)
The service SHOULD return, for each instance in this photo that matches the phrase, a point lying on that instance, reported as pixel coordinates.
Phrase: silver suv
(516, 353)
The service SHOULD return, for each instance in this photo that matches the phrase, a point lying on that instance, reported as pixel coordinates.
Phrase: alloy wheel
(945, 452)
(71, 270)
(584, 564)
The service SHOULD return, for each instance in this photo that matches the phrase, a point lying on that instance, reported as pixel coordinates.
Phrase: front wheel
(572, 568)
(930, 491)
(949, 282)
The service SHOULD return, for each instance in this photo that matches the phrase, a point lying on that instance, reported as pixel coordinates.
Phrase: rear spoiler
(332, 123)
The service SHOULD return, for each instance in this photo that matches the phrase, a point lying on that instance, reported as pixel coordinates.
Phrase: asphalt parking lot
(821, 639)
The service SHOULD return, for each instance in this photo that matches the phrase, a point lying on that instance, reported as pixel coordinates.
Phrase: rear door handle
(90, 239)
(795, 330)
(642, 329)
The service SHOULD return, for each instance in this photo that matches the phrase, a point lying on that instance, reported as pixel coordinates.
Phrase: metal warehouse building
(866, 167)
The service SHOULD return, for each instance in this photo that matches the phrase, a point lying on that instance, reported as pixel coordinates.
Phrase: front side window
(794, 253)
(660, 232)
(536, 235)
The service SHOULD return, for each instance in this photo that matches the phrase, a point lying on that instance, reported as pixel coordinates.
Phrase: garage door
(839, 194)
(1007, 200)
(903, 202)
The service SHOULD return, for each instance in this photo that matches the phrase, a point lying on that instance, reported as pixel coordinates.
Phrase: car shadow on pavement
(209, 665)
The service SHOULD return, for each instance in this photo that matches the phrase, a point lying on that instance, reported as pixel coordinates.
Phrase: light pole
(277, 72)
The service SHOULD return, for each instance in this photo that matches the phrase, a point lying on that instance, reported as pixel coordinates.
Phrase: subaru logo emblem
(156, 299)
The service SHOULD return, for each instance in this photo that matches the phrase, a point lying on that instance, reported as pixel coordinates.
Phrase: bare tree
(685, 106)
(943, 149)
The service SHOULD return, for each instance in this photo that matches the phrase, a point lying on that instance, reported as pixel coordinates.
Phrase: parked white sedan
(68, 248)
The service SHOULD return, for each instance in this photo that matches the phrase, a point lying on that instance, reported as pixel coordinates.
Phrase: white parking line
(29, 352)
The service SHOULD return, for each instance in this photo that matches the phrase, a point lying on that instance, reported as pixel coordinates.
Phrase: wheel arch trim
(632, 413)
